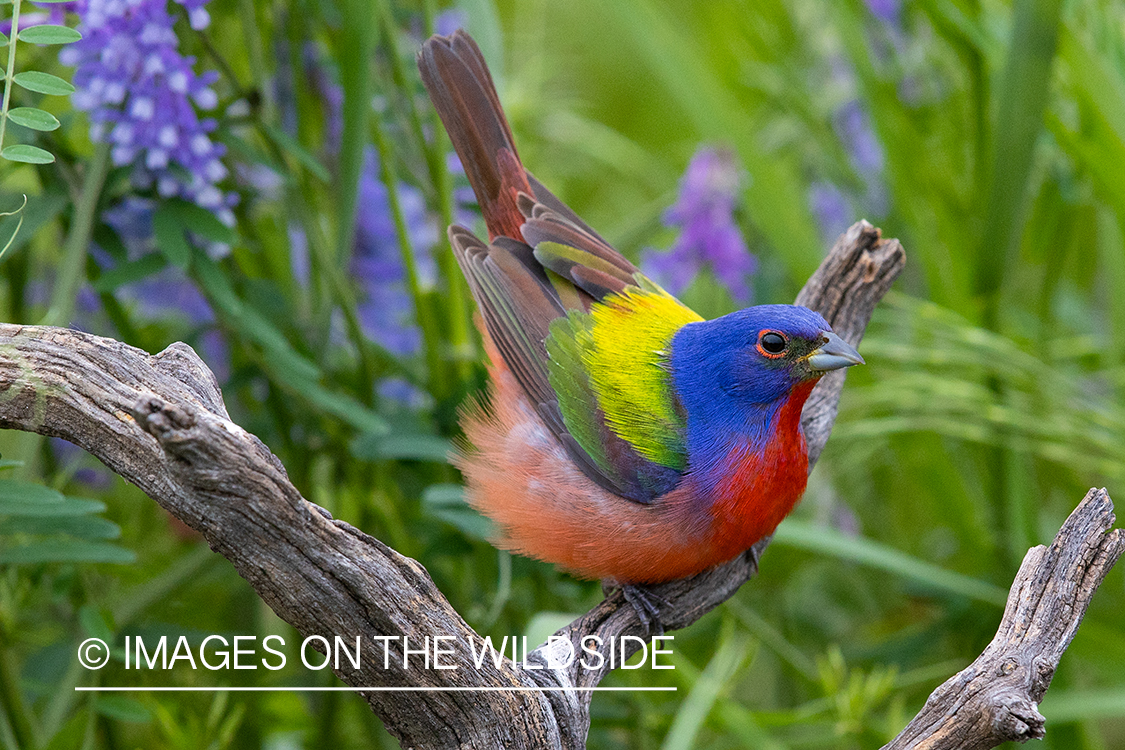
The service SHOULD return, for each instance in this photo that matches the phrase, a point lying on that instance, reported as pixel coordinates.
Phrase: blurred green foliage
(994, 394)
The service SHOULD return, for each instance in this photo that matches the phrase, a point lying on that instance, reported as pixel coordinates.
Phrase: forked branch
(159, 422)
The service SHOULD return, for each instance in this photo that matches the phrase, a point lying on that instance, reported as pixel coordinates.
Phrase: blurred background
(268, 182)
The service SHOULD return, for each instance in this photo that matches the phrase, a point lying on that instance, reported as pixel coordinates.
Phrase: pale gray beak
(835, 354)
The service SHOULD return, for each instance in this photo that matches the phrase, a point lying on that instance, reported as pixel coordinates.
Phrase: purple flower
(387, 311)
(704, 212)
(166, 293)
(865, 153)
(886, 11)
(71, 458)
(832, 205)
(448, 21)
(832, 209)
(854, 128)
(299, 261)
(142, 97)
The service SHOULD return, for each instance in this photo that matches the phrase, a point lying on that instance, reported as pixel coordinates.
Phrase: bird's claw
(647, 606)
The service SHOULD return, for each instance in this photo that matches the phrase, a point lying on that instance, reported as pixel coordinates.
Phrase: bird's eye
(772, 343)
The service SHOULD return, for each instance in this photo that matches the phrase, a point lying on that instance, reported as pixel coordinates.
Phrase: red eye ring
(768, 342)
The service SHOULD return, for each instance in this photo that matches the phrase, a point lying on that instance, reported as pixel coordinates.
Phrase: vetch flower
(386, 313)
(143, 96)
(832, 209)
(704, 212)
(854, 128)
(886, 11)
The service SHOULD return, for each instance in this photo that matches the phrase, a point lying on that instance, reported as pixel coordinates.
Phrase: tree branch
(159, 421)
(995, 699)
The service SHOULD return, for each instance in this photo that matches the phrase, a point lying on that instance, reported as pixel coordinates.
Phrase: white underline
(483, 689)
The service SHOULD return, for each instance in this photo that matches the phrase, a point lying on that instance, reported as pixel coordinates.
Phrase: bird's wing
(586, 336)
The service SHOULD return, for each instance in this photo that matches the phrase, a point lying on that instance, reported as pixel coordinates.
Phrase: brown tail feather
(457, 78)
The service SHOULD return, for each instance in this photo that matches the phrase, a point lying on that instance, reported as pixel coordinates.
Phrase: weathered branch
(995, 699)
(159, 421)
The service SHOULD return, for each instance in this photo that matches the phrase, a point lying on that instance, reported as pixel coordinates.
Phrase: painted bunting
(623, 437)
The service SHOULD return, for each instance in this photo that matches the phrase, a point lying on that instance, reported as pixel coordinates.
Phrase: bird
(622, 437)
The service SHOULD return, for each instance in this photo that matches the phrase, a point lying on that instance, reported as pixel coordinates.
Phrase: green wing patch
(610, 366)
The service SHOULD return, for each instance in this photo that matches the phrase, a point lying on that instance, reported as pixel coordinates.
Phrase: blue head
(732, 373)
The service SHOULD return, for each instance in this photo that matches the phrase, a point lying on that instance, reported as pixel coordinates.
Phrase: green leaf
(170, 238)
(95, 622)
(20, 498)
(355, 45)
(3, 40)
(346, 407)
(122, 708)
(49, 34)
(443, 496)
(446, 502)
(410, 447)
(80, 525)
(1082, 705)
(827, 541)
(43, 83)
(31, 117)
(65, 550)
(27, 154)
(128, 273)
(200, 221)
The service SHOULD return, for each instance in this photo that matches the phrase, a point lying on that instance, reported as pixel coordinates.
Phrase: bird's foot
(754, 554)
(647, 606)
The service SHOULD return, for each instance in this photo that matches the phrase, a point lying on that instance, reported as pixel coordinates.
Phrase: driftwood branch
(159, 422)
(995, 699)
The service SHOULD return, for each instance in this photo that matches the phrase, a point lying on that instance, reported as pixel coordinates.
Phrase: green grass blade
(65, 550)
(356, 50)
(826, 541)
(774, 197)
(1023, 95)
(733, 648)
(1071, 706)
